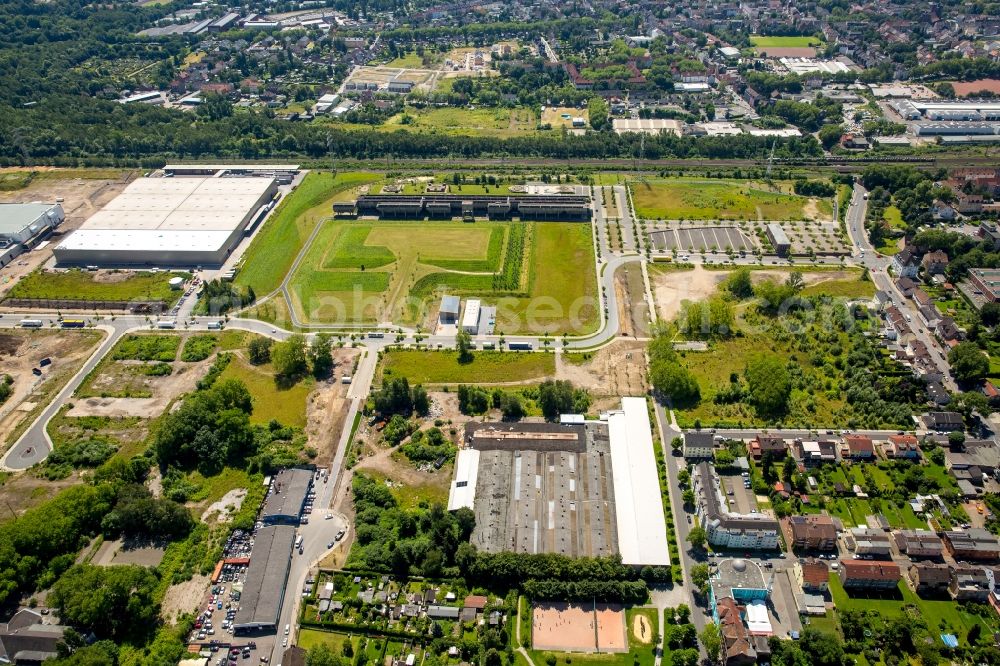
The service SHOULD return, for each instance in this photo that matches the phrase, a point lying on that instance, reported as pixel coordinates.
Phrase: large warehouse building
(264, 587)
(187, 221)
(23, 225)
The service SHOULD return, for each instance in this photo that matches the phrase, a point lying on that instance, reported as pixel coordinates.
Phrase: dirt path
(327, 410)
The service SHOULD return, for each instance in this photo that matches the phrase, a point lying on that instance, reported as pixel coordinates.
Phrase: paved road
(878, 269)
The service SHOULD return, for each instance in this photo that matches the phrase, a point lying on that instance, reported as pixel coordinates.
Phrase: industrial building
(264, 587)
(187, 221)
(647, 125)
(470, 318)
(448, 312)
(286, 497)
(501, 206)
(576, 489)
(24, 225)
(730, 530)
(642, 530)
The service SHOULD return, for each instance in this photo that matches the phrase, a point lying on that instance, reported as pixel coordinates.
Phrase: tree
(829, 135)
(463, 343)
(511, 407)
(673, 381)
(113, 602)
(968, 363)
(289, 357)
(557, 397)
(676, 444)
(321, 355)
(956, 439)
(259, 350)
(712, 641)
(697, 537)
(795, 281)
(768, 384)
(990, 315)
(598, 113)
(739, 284)
(699, 577)
(823, 649)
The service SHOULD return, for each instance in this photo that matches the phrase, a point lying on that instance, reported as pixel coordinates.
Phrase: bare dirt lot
(20, 351)
(22, 491)
(633, 310)
(327, 409)
(567, 627)
(609, 373)
(672, 287)
(184, 597)
(117, 552)
(82, 197)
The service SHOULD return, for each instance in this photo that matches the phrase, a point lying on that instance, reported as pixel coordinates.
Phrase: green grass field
(487, 367)
(361, 272)
(287, 405)
(847, 288)
(81, 285)
(714, 199)
(788, 42)
(276, 245)
(497, 122)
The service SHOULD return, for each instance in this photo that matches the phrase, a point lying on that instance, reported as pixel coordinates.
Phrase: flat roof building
(463, 486)
(642, 529)
(169, 221)
(286, 497)
(450, 307)
(470, 319)
(22, 225)
(779, 240)
(264, 587)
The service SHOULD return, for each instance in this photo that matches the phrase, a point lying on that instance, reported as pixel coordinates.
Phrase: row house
(866, 574)
(918, 543)
(812, 575)
(902, 446)
(810, 532)
(811, 454)
(763, 445)
(858, 447)
(974, 544)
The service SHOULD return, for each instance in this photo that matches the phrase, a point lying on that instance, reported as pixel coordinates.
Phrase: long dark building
(528, 207)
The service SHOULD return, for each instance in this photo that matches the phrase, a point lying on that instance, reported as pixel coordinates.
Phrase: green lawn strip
(849, 288)
(715, 199)
(287, 405)
(276, 245)
(77, 284)
(941, 616)
(350, 251)
(788, 41)
(486, 367)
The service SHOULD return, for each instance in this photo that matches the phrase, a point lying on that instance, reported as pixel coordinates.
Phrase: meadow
(270, 401)
(276, 245)
(499, 122)
(77, 284)
(486, 367)
(715, 199)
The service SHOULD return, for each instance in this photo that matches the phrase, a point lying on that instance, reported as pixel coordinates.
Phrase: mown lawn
(486, 367)
(714, 199)
(80, 285)
(276, 245)
(784, 41)
(287, 405)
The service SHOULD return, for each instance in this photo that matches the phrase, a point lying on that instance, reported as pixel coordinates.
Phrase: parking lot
(738, 495)
(701, 239)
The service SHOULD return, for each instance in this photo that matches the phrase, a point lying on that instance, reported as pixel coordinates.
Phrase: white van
(288, 626)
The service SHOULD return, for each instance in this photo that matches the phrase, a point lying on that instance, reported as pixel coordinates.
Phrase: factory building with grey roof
(264, 587)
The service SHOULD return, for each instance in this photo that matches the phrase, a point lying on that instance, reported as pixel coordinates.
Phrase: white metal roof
(757, 620)
(642, 530)
(463, 485)
(144, 240)
(471, 317)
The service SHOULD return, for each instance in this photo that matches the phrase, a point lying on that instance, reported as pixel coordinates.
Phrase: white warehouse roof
(170, 220)
(642, 530)
(463, 487)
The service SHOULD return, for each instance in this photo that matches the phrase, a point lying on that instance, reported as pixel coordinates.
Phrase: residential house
(918, 544)
(812, 575)
(811, 454)
(869, 541)
(810, 532)
(941, 210)
(868, 574)
(727, 529)
(905, 263)
(929, 578)
(970, 583)
(935, 262)
(737, 648)
(944, 421)
(907, 286)
(699, 445)
(948, 330)
(762, 445)
(902, 446)
(973, 544)
(858, 447)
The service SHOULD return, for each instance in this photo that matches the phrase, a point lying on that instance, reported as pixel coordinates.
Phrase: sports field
(784, 41)
(276, 245)
(716, 199)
